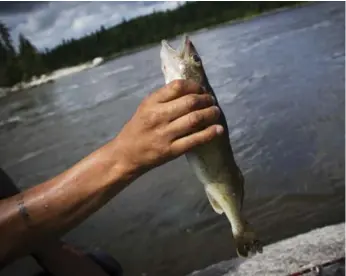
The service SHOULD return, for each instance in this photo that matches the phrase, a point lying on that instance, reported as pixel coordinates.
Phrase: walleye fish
(213, 163)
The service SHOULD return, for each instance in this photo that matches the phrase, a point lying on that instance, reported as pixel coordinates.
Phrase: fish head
(181, 63)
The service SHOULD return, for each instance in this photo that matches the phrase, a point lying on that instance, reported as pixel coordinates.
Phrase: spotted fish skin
(213, 163)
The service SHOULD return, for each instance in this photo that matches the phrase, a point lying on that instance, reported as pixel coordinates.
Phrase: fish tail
(246, 241)
(244, 236)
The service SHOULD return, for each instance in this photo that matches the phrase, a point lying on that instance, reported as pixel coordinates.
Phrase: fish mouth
(183, 50)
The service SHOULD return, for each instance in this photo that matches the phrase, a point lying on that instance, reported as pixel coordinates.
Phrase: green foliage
(9, 68)
(5, 39)
(30, 60)
(18, 66)
(128, 35)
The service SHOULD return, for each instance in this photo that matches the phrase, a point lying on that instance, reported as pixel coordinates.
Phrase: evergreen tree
(127, 35)
(10, 72)
(30, 58)
(5, 39)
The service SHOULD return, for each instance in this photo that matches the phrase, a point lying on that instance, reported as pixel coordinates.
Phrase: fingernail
(219, 129)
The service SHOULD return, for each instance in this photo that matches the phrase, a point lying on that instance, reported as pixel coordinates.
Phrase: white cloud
(49, 25)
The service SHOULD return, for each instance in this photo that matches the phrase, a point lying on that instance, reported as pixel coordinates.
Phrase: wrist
(121, 169)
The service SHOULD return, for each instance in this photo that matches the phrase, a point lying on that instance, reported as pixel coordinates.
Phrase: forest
(21, 63)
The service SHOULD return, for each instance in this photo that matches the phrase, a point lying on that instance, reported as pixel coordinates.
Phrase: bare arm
(48, 210)
(166, 124)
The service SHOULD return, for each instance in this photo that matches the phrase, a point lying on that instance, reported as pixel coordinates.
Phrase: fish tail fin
(246, 242)
(245, 238)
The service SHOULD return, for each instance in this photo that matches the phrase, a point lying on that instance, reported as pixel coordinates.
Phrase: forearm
(51, 209)
(160, 130)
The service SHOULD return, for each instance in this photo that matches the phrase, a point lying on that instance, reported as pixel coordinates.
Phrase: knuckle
(164, 112)
(192, 101)
(150, 118)
(207, 100)
(161, 147)
(209, 134)
(177, 85)
(195, 119)
(206, 136)
(211, 99)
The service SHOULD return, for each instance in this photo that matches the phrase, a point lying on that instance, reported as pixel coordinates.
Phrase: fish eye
(196, 58)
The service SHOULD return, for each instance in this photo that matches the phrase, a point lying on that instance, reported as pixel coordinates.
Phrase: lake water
(280, 81)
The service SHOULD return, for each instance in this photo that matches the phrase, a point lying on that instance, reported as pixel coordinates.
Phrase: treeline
(21, 64)
(27, 61)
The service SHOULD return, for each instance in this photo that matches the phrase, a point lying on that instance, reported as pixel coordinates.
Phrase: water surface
(280, 81)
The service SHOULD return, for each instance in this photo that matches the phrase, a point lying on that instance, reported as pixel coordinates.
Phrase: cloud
(49, 23)
(13, 7)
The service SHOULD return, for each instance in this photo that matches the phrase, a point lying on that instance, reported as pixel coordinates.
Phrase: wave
(118, 70)
(73, 86)
(11, 120)
(269, 40)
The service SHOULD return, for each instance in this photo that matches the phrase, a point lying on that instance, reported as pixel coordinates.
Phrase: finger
(186, 104)
(176, 89)
(193, 121)
(187, 143)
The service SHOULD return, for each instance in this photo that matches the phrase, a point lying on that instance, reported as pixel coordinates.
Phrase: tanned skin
(169, 122)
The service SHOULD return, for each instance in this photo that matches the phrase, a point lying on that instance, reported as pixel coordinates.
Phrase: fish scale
(213, 163)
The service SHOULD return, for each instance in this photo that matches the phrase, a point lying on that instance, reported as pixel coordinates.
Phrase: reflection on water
(280, 81)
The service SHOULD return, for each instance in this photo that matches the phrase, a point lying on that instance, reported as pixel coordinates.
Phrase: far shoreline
(51, 77)
(62, 72)
(208, 28)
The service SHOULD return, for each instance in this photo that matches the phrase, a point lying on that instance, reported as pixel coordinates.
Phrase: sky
(47, 23)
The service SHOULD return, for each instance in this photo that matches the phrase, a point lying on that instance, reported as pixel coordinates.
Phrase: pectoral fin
(217, 208)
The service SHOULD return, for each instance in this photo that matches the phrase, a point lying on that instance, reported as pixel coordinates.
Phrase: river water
(280, 81)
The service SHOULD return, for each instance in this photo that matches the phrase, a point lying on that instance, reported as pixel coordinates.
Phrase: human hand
(168, 123)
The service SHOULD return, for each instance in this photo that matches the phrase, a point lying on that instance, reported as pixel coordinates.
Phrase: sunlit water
(280, 81)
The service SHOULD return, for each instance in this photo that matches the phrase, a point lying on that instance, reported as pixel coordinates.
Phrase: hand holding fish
(180, 118)
(167, 124)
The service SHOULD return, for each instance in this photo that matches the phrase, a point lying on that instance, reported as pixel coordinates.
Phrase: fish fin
(247, 242)
(217, 208)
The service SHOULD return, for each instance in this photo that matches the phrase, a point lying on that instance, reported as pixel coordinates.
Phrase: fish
(213, 163)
